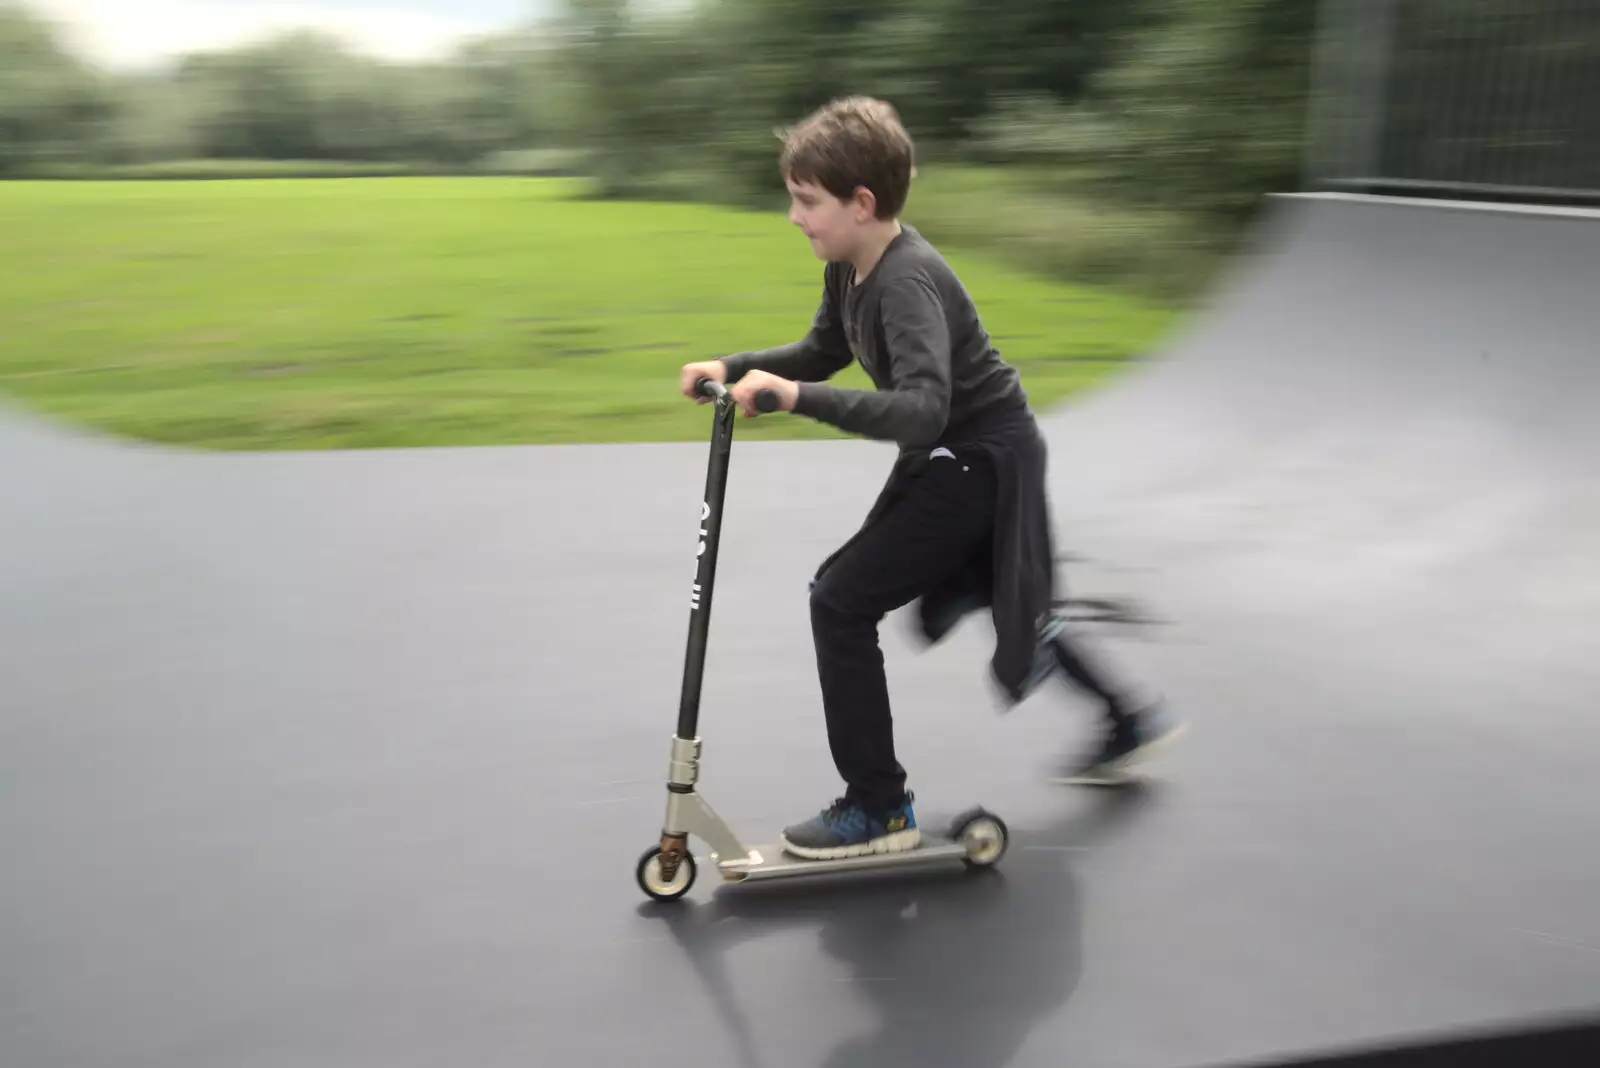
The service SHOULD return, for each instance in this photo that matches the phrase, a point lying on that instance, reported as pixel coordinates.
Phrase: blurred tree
(52, 107)
(1207, 111)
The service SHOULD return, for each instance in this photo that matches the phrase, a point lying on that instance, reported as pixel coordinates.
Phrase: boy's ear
(865, 200)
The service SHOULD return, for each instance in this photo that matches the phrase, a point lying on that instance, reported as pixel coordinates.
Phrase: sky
(138, 33)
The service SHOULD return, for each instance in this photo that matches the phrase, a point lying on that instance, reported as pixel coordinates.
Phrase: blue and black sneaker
(845, 829)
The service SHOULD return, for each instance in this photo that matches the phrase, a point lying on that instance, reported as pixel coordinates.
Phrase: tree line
(1199, 104)
(1208, 94)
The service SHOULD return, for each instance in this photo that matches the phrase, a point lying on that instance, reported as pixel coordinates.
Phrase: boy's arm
(916, 407)
(821, 354)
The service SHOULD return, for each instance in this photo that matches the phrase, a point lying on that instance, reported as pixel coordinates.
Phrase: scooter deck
(772, 861)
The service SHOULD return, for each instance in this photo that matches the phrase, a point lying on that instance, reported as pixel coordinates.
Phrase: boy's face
(833, 225)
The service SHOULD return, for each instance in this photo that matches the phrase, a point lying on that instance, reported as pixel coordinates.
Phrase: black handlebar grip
(766, 399)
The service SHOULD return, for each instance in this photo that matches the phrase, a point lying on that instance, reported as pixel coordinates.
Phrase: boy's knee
(831, 602)
(822, 598)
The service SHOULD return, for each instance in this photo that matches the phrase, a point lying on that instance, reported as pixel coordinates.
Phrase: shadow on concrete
(959, 967)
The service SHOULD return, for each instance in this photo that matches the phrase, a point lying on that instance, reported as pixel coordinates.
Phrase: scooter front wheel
(652, 878)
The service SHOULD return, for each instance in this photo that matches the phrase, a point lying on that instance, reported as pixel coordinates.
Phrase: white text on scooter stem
(700, 550)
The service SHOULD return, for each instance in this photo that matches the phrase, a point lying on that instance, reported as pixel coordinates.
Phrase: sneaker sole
(1115, 772)
(898, 842)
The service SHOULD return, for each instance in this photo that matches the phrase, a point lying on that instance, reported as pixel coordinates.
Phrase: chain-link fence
(1485, 98)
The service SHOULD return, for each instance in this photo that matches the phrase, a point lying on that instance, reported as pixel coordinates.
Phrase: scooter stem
(700, 595)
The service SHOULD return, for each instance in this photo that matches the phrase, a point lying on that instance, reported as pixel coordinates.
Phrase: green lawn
(334, 313)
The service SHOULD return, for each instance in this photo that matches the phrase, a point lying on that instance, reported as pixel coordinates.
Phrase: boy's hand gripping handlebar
(766, 400)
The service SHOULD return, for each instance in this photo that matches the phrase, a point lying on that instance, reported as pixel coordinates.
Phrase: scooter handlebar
(766, 399)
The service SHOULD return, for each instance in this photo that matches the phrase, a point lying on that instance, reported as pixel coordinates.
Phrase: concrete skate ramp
(1384, 429)
(322, 759)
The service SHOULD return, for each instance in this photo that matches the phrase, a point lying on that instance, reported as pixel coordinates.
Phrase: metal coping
(1441, 204)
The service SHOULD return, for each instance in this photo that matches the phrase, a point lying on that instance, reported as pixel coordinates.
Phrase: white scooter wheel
(654, 882)
(986, 837)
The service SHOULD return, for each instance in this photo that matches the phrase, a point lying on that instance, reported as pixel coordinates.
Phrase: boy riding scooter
(963, 521)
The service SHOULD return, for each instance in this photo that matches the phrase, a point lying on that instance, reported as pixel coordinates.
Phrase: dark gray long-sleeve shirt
(916, 332)
(939, 381)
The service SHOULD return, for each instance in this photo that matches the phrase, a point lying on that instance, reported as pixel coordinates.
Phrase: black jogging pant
(937, 524)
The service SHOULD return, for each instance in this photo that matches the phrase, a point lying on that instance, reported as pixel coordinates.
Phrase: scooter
(666, 871)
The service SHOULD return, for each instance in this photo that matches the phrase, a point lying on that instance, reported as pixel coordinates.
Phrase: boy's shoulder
(914, 256)
(910, 258)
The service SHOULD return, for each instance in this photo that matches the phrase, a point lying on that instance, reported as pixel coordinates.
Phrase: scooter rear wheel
(654, 883)
(985, 836)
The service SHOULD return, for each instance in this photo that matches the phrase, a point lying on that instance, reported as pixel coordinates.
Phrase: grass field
(438, 311)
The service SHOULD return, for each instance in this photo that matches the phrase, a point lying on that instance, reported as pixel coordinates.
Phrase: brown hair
(850, 142)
